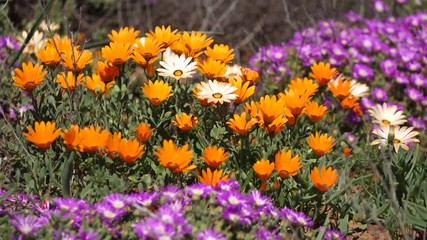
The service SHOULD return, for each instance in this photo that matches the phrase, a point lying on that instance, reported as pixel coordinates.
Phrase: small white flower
(387, 115)
(177, 67)
(233, 71)
(216, 92)
(358, 89)
(36, 42)
(400, 137)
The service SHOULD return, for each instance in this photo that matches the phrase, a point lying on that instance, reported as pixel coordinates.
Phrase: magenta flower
(27, 225)
(210, 234)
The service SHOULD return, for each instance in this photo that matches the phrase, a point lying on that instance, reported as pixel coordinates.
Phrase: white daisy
(400, 137)
(168, 53)
(216, 92)
(177, 67)
(35, 44)
(387, 115)
(233, 71)
(358, 89)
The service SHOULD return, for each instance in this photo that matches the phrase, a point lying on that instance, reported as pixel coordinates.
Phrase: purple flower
(196, 191)
(153, 228)
(276, 53)
(231, 199)
(401, 78)
(414, 94)
(361, 71)
(295, 217)
(389, 67)
(210, 234)
(263, 233)
(379, 94)
(353, 17)
(416, 122)
(7, 41)
(116, 200)
(227, 186)
(170, 193)
(350, 138)
(145, 199)
(27, 225)
(418, 80)
(380, 6)
(413, 66)
(258, 200)
(108, 213)
(333, 235)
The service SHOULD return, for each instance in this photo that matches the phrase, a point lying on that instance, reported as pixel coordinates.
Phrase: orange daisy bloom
(93, 139)
(347, 151)
(249, 75)
(148, 49)
(125, 35)
(212, 68)
(179, 48)
(130, 150)
(325, 178)
(61, 44)
(107, 71)
(69, 81)
(157, 92)
(323, 73)
(141, 61)
(321, 144)
(71, 138)
(340, 88)
(285, 165)
(117, 53)
(164, 35)
(243, 90)
(270, 108)
(214, 156)
(49, 56)
(276, 126)
(77, 60)
(240, 124)
(263, 169)
(195, 43)
(294, 101)
(305, 86)
(29, 77)
(97, 86)
(212, 178)
(43, 134)
(176, 159)
(112, 146)
(220, 52)
(185, 122)
(143, 132)
(314, 111)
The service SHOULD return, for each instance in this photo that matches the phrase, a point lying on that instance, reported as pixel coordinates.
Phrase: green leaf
(343, 224)
(86, 190)
(67, 175)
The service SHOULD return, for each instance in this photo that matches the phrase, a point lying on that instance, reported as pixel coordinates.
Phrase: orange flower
(249, 75)
(350, 102)
(144, 132)
(97, 86)
(185, 122)
(323, 73)
(263, 169)
(148, 49)
(285, 165)
(76, 60)
(315, 111)
(62, 44)
(347, 151)
(112, 146)
(93, 139)
(212, 69)
(214, 156)
(324, 179)
(157, 92)
(130, 150)
(49, 56)
(178, 47)
(43, 134)
(340, 88)
(243, 90)
(175, 158)
(196, 90)
(107, 71)
(322, 144)
(125, 35)
(270, 108)
(195, 43)
(294, 101)
(220, 52)
(212, 178)
(141, 61)
(164, 35)
(29, 77)
(240, 124)
(304, 86)
(117, 53)
(68, 81)
(276, 126)
(72, 138)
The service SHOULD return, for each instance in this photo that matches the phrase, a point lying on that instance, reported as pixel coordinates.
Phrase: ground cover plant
(160, 135)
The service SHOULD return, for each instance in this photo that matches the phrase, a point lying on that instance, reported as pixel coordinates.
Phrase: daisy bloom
(164, 35)
(325, 178)
(124, 35)
(61, 44)
(49, 56)
(212, 68)
(117, 53)
(112, 146)
(263, 169)
(244, 91)
(358, 89)
(214, 156)
(36, 42)
(387, 115)
(71, 137)
(107, 71)
(321, 144)
(276, 125)
(76, 60)
(43, 134)
(202, 101)
(314, 111)
(285, 165)
(148, 49)
(29, 77)
(185, 122)
(49, 26)
(97, 86)
(269, 108)
(233, 71)
(340, 88)
(220, 52)
(93, 138)
(212, 178)
(130, 150)
(305, 86)
(177, 67)
(240, 124)
(249, 75)
(176, 159)
(68, 81)
(400, 137)
(157, 92)
(216, 92)
(294, 101)
(195, 42)
(323, 73)
(143, 132)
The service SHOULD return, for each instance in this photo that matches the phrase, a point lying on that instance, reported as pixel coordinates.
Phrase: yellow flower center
(385, 122)
(396, 141)
(217, 95)
(177, 73)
